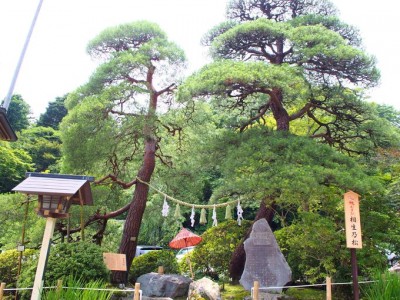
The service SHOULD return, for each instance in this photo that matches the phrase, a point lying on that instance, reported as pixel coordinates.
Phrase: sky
(56, 61)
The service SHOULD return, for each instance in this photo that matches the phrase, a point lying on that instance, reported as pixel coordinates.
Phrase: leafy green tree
(44, 146)
(285, 61)
(54, 113)
(389, 113)
(116, 113)
(292, 175)
(14, 163)
(292, 66)
(14, 222)
(18, 113)
(9, 265)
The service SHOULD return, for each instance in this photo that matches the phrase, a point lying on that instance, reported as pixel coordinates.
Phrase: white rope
(177, 201)
(309, 285)
(132, 290)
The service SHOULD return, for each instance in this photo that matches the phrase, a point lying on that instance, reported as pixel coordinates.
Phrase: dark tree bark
(136, 210)
(238, 259)
(281, 116)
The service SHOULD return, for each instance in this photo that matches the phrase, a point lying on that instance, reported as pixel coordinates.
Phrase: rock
(165, 286)
(265, 262)
(206, 288)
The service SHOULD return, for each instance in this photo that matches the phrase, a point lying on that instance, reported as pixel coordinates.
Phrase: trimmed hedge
(150, 262)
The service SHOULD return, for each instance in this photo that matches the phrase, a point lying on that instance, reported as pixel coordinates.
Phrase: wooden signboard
(115, 261)
(352, 220)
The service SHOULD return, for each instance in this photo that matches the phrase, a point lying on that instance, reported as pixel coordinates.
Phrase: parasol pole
(188, 260)
(190, 266)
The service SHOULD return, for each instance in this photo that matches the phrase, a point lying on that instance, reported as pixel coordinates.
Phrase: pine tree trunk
(238, 258)
(280, 114)
(136, 211)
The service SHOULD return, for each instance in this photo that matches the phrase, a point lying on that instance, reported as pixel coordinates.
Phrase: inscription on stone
(260, 238)
(265, 262)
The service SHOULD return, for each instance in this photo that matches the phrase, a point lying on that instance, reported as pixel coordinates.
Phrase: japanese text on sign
(352, 220)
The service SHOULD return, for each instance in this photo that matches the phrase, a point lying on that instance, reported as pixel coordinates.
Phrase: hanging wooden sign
(352, 220)
(115, 261)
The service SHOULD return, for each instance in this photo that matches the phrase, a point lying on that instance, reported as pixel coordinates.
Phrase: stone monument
(265, 262)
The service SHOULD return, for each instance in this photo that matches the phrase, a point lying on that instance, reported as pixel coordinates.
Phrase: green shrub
(70, 293)
(385, 287)
(9, 265)
(212, 256)
(184, 267)
(234, 292)
(150, 262)
(81, 259)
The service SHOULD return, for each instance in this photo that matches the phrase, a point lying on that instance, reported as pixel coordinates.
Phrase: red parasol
(184, 238)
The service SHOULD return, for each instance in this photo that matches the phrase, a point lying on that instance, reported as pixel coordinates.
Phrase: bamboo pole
(2, 287)
(59, 286)
(328, 288)
(136, 295)
(161, 270)
(256, 287)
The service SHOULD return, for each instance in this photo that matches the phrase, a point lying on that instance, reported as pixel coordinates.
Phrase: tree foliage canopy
(288, 60)
(13, 165)
(18, 113)
(54, 113)
(110, 109)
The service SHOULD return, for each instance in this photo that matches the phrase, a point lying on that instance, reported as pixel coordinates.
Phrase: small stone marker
(265, 262)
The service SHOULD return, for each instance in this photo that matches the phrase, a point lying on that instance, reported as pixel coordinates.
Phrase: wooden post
(2, 287)
(161, 270)
(328, 288)
(255, 290)
(136, 295)
(354, 271)
(59, 286)
(44, 251)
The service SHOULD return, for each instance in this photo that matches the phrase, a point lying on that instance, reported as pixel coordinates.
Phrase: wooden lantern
(57, 192)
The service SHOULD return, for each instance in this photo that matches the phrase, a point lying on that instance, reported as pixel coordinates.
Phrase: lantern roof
(6, 132)
(77, 187)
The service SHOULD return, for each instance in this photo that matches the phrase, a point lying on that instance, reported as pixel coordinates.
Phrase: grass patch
(386, 287)
(234, 292)
(306, 294)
